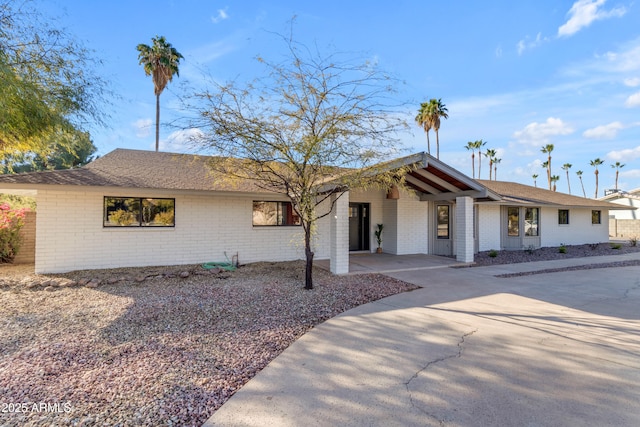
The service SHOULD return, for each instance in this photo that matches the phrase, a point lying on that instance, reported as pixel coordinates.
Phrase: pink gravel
(147, 347)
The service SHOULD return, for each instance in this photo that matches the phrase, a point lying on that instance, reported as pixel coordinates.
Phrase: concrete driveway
(468, 349)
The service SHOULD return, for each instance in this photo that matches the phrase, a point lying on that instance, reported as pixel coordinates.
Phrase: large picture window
(138, 212)
(274, 213)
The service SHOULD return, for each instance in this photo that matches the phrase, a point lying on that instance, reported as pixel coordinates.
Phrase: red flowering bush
(11, 221)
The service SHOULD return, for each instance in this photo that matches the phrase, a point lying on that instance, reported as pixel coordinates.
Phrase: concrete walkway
(467, 349)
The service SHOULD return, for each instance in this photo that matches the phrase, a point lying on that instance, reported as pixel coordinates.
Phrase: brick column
(339, 258)
(464, 229)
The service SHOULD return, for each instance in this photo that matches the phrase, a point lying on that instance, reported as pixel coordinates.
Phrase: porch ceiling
(435, 181)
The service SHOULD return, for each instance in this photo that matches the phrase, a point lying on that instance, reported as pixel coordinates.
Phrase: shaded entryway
(387, 263)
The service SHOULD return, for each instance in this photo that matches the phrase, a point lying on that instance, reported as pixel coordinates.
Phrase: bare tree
(311, 129)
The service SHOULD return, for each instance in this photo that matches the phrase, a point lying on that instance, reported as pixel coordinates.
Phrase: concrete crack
(427, 366)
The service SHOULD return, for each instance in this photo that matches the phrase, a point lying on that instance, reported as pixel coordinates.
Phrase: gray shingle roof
(525, 194)
(138, 169)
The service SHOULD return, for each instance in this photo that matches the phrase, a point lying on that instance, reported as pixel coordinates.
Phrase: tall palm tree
(554, 179)
(472, 147)
(423, 119)
(548, 149)
(595, 163)
(490, 154)
(495, 168)
(566, 168)
(438, 110)
(160, 61)
(579, 173)
(479, 144)
(535, 176)
(617, 166)
(546, 166)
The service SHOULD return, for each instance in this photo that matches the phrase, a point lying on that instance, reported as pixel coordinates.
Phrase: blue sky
(518, 75)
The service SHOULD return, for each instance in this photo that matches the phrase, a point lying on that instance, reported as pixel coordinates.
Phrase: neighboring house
(140, 208)
(625, 222)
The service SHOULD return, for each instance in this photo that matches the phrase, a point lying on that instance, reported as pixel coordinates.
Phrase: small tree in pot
(378, 234)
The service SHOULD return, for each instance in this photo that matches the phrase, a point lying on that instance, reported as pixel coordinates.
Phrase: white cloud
(633, 100)
(499, 52)
(142, 127)
(181, 141)
(632, 82)
(603, 132)
(625, 155)
(539, 133)
(221, 16)
(585, 12)
(526, 43)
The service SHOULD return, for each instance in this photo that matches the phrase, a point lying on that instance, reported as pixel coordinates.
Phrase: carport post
(464, 229)
(339, 257)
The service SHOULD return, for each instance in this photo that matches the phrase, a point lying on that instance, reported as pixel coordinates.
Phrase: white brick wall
(406, 223)
(488, 231)
(579, 231)
(464, 229)
(70, 235)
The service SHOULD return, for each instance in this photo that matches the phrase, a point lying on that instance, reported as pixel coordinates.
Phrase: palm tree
(546, 166)
(160, 60)
(438, 109)
(479, 144)
(617, 166)
(423, 119)
(472, 146)
(495, 168)
(554, 179)
(490, 154)
(595, 163)
(579, 173)
(566, 168)
(548, 149)
(535, 176)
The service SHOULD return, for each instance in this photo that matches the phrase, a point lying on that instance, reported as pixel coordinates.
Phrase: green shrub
(562, 249)
(616, 246)
(493, 253)
(633, 241)
(11, 221)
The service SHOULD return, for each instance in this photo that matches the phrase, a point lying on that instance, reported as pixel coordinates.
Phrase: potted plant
(378, 234)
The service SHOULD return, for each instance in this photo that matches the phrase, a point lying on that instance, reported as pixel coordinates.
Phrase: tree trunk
(308, 278)
(157, 122)
(596, 184)
(473, 165)
(428, 143)
(437, 145)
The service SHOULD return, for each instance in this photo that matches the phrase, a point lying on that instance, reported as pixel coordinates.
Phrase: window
(563, 216)
(596, 217)
(513, 222)
(443, 221)
(274, 213)
(531, 222)
(138, 212)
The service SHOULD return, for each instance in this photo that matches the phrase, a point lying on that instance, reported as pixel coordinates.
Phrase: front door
(443, 239)
(359, 226)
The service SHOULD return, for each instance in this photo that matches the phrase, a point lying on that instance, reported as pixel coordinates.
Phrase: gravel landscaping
(154, 346)
(552, 253)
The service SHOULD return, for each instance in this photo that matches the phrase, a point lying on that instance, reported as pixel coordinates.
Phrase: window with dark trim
(563, 216)
(274, 213)
(443, 221)
(596, 217)
(531, 222)
(513, 222)
(138, 212)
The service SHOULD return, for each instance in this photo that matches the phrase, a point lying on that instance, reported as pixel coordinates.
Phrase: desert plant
(11, 221)
(562, 249)
(378, 234)
(594, 246)
(493, 253)
(633, 241)
(616, 246)
(122, 217)
(529, 249)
